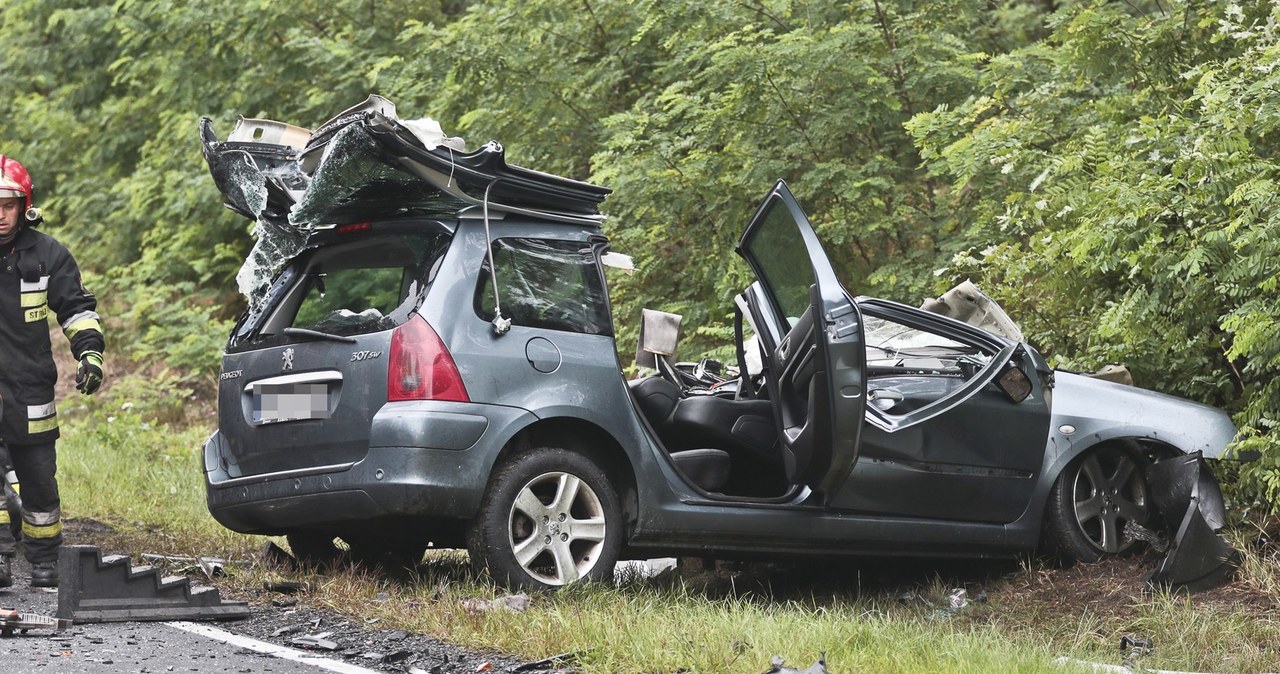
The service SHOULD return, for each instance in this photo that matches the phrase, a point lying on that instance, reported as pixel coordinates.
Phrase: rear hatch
(304, 374)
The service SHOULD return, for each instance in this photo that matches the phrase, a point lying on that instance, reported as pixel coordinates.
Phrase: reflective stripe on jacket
(39, 278)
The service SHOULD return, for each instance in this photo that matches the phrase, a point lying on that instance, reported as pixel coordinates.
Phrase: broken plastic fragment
(515, 602)
(1189, 500)
(429, 133)
(12, 619)
(777, 667)
(966, 303)
(315, 641)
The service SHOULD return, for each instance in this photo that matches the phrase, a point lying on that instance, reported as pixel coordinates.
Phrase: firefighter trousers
(36, 466)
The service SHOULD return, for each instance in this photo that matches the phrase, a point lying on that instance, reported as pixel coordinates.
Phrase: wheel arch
(1029, 527)
(590, 440)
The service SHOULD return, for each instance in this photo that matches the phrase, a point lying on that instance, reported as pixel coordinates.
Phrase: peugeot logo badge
(287, 359)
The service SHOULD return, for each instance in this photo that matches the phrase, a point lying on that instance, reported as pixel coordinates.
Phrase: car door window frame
(1003, 351)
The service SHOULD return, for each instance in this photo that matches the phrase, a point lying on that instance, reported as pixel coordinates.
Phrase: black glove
(89, 374)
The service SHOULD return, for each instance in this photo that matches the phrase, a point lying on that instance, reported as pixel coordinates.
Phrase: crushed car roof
(366, 163)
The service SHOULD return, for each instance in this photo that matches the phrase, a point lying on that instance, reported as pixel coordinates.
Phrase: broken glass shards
(275, 245)
(357, 179)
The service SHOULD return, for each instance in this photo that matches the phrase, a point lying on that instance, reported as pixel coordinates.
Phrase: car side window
(545, 283)
(909, 368)
(894, 345)
(786, 271)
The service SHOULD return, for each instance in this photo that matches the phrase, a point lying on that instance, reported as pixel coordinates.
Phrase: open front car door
(814, 356)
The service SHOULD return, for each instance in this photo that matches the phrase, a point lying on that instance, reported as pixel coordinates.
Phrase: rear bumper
(406, 477)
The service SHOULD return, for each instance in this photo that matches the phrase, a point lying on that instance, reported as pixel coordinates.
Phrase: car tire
(1092, 501)
(313, 548)
(550, 517)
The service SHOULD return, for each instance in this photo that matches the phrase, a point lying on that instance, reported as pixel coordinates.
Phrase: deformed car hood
(1094, 407)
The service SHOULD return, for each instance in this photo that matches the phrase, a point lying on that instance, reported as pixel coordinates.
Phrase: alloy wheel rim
(1109, 492)
(556, 528)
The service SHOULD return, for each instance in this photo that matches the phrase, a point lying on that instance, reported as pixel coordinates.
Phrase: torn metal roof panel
(366, 163)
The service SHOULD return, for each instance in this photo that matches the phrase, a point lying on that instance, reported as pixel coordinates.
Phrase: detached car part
(1190, 504)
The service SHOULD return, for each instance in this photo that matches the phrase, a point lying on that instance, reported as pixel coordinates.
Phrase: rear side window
(546, 284)
(349, 288)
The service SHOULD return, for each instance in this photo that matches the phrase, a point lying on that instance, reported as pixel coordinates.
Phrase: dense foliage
(1105, 170)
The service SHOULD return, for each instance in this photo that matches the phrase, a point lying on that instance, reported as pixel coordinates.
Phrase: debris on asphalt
(12, 619)
(777, 666)
(287, 630)
(284, 603)
(315, 642)
(514, 602)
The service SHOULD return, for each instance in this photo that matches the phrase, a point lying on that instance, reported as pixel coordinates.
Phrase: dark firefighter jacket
(38, 278)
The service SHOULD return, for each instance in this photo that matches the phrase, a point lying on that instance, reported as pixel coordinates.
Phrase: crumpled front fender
(1087, 411)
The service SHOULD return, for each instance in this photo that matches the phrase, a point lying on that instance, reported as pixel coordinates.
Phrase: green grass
(119, 466)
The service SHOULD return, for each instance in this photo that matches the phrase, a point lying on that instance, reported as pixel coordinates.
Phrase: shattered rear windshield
(350, 288)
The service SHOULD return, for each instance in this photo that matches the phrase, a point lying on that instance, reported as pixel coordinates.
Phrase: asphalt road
(141, 646)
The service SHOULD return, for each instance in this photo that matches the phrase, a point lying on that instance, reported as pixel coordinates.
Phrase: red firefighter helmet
(15, 181)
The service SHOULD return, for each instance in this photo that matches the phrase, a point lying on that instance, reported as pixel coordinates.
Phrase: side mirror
(1014, 382)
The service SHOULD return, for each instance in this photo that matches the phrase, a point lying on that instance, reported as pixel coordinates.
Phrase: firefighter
(38, 279)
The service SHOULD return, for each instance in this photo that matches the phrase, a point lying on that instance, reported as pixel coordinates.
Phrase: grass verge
(143, 478)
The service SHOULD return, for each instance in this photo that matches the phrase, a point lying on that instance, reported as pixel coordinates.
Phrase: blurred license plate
(290, 402)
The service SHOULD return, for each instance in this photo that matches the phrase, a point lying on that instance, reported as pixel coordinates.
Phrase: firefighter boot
(44, 574)
(6, 571)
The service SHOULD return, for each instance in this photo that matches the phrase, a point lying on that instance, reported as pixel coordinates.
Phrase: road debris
(515, 602)
(546, 663)
(318, 642)
(12, 619)
(285, 586)
(1134, 648)
(274, 554)
(209, 566)
(1189, 501)
(287, 630)
(777, 666)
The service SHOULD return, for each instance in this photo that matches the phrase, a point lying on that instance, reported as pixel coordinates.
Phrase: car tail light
(421, 367)
(355, 228)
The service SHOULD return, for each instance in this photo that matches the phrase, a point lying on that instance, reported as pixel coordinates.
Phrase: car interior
(719, 427)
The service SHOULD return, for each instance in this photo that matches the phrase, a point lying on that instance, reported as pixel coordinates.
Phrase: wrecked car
(429, 359)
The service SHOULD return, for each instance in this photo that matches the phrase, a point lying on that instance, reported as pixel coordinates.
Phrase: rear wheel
(550, 517)
(1093, 500)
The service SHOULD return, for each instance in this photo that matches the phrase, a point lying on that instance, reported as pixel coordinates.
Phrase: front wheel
(1093, 500)
(550, 517)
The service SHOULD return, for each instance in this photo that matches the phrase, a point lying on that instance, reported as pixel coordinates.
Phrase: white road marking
(271, 649)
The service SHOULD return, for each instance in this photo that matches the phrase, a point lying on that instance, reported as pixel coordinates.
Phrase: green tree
(1117, 181)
